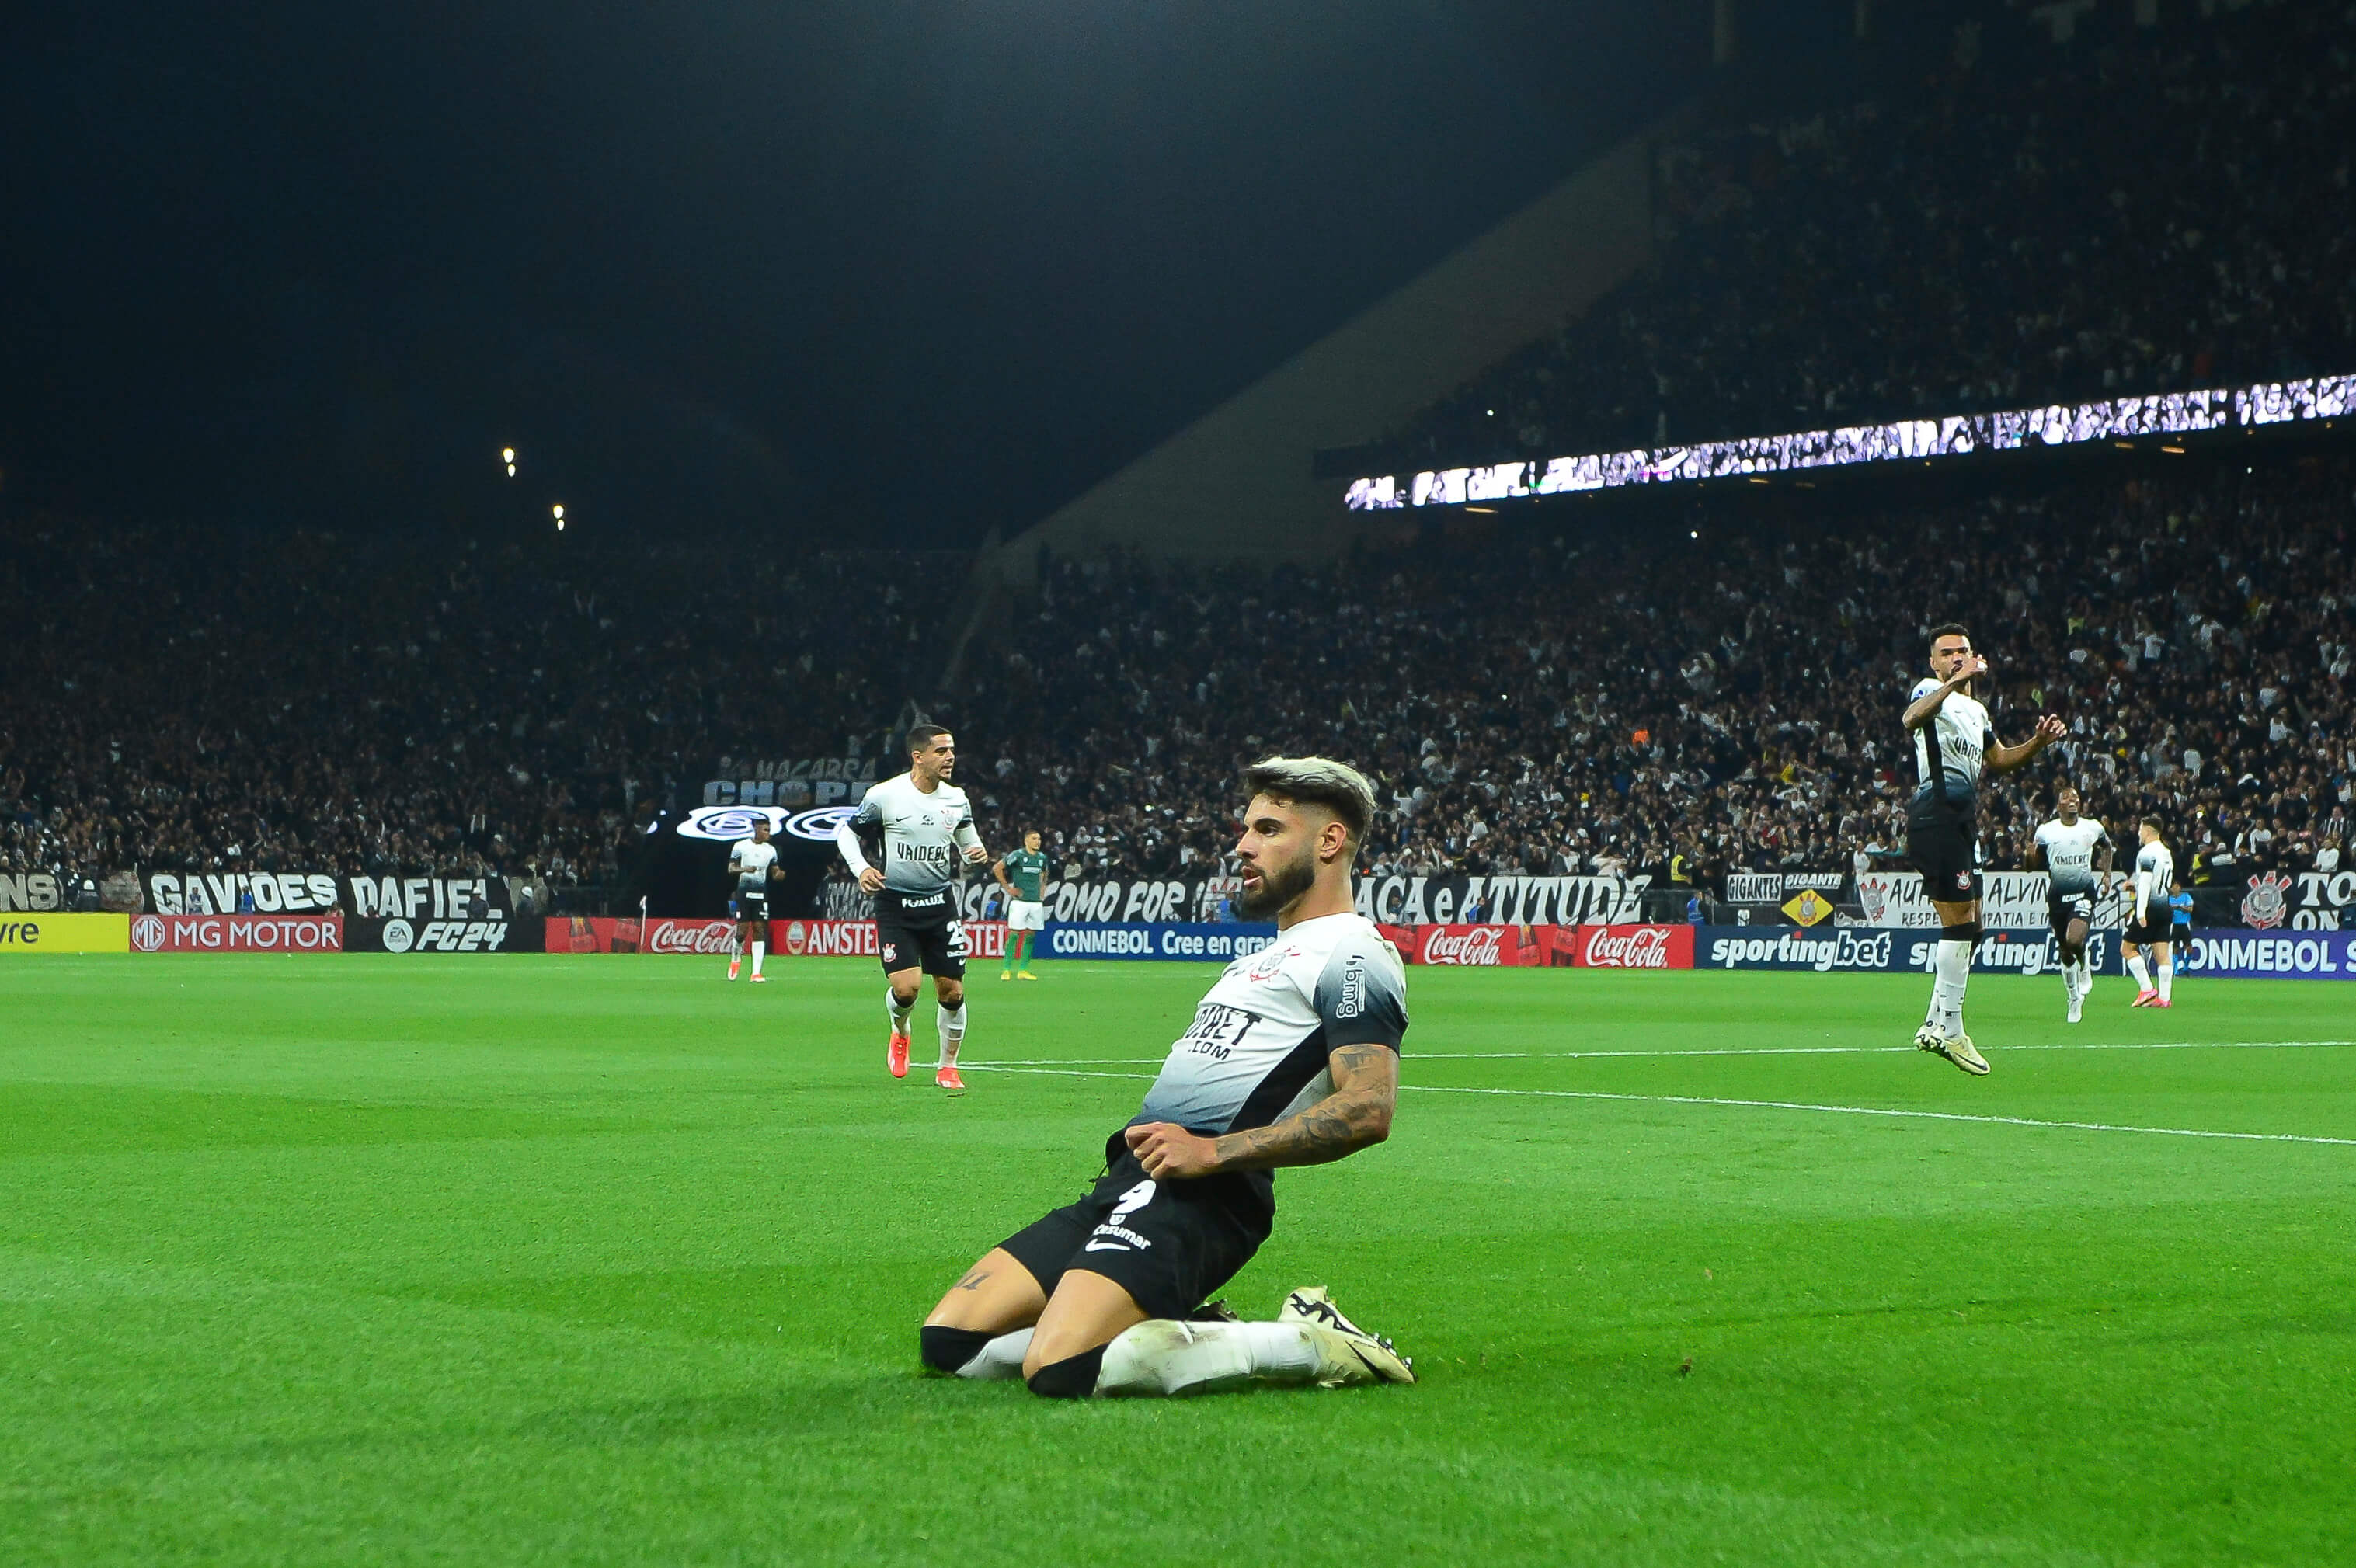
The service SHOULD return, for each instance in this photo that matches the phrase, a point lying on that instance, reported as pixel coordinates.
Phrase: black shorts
(920, 932)
(751, 908)
(1946, 850)
(1169, 1245)
(2060, 909)
(2144, 933)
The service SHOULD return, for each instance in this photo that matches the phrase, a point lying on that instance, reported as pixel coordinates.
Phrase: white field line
(1760, 1105)
(1880, 1111)
(1413, 1055)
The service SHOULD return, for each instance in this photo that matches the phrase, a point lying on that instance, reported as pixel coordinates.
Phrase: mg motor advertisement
(236, 933)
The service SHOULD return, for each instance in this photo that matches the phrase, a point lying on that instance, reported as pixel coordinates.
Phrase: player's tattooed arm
(1355, 1114)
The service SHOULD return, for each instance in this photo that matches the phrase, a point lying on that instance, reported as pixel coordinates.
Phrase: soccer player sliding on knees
(1292, 1059)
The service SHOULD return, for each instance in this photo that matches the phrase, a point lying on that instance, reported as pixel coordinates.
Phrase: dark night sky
(904, 269)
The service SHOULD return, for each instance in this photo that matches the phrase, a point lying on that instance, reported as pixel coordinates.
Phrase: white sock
(2142, 976)
(1001, 1358)
(899, 1014)
(1954, 968)
(1164, 1356)
(952, 1022)
(759, 947)
(2166, 977)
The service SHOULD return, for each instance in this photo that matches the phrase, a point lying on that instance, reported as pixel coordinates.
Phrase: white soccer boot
(1959, 1050)
(1345, 1352)
(2077, 1005)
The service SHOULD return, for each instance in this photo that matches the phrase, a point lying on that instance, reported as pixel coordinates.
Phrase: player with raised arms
(925, 825)
(2075, 852)
(1292, 1059)
(1023, 874)
(2147, 930)
(753, 861)
(1952, 747)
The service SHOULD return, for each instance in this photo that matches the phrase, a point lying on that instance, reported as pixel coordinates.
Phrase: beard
(1279, 886)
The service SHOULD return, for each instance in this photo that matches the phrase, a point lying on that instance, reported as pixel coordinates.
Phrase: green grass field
(603, 1260)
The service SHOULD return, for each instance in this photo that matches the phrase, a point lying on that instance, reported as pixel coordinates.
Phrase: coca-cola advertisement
(1481, 947)
(786, 938)
(593, 933)
(236, 933)
(1636, 947)
(596, 933)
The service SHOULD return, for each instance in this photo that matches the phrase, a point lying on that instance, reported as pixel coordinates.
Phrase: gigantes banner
(237, 933)
(66, 933)
(1883, 950)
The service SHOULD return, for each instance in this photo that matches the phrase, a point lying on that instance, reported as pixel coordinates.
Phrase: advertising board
(2239, 955)
(500, 933)
(1183, 941)
(1883, 950)
(237, 933)
(65, 934)
(1627, 946)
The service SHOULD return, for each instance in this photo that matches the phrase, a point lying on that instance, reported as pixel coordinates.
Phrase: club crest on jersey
(1269, 962)
(1963, 881)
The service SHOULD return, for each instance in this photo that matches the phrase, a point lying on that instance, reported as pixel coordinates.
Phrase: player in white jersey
(1953, 746)
(925, 825)
(1292, 1059)
(754, 863)
(2075, 852)
(2154, 881)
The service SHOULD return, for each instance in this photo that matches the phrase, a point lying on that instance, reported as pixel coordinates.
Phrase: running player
(924, 823)
(754, 863)
(1292, 1059)
(1022, 874)
(2074, 851)
(2155, 879)
(1952, 746)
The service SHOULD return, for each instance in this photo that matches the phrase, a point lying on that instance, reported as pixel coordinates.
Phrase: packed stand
(311, 702)
(1624, 699)
(2056, 225)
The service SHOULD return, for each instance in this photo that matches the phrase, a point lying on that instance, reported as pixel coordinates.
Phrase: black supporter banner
(318, 892)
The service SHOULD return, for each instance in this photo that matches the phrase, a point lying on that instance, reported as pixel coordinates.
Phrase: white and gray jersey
(2069, 850)
(924, 835)
(1257, 1050)
(752, 861)
(1948, 749)
(2155, 878)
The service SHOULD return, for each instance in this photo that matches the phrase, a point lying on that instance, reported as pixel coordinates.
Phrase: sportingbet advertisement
(1870, 950)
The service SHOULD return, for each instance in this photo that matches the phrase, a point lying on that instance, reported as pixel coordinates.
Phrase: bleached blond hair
(1317, 781)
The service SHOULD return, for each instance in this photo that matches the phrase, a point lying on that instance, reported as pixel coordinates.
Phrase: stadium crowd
(2055, 225)
(413, 707)
(1615, 699)
(1605, 698)
(1564, 697)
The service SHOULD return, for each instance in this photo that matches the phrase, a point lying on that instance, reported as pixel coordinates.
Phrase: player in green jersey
(1022, 872)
